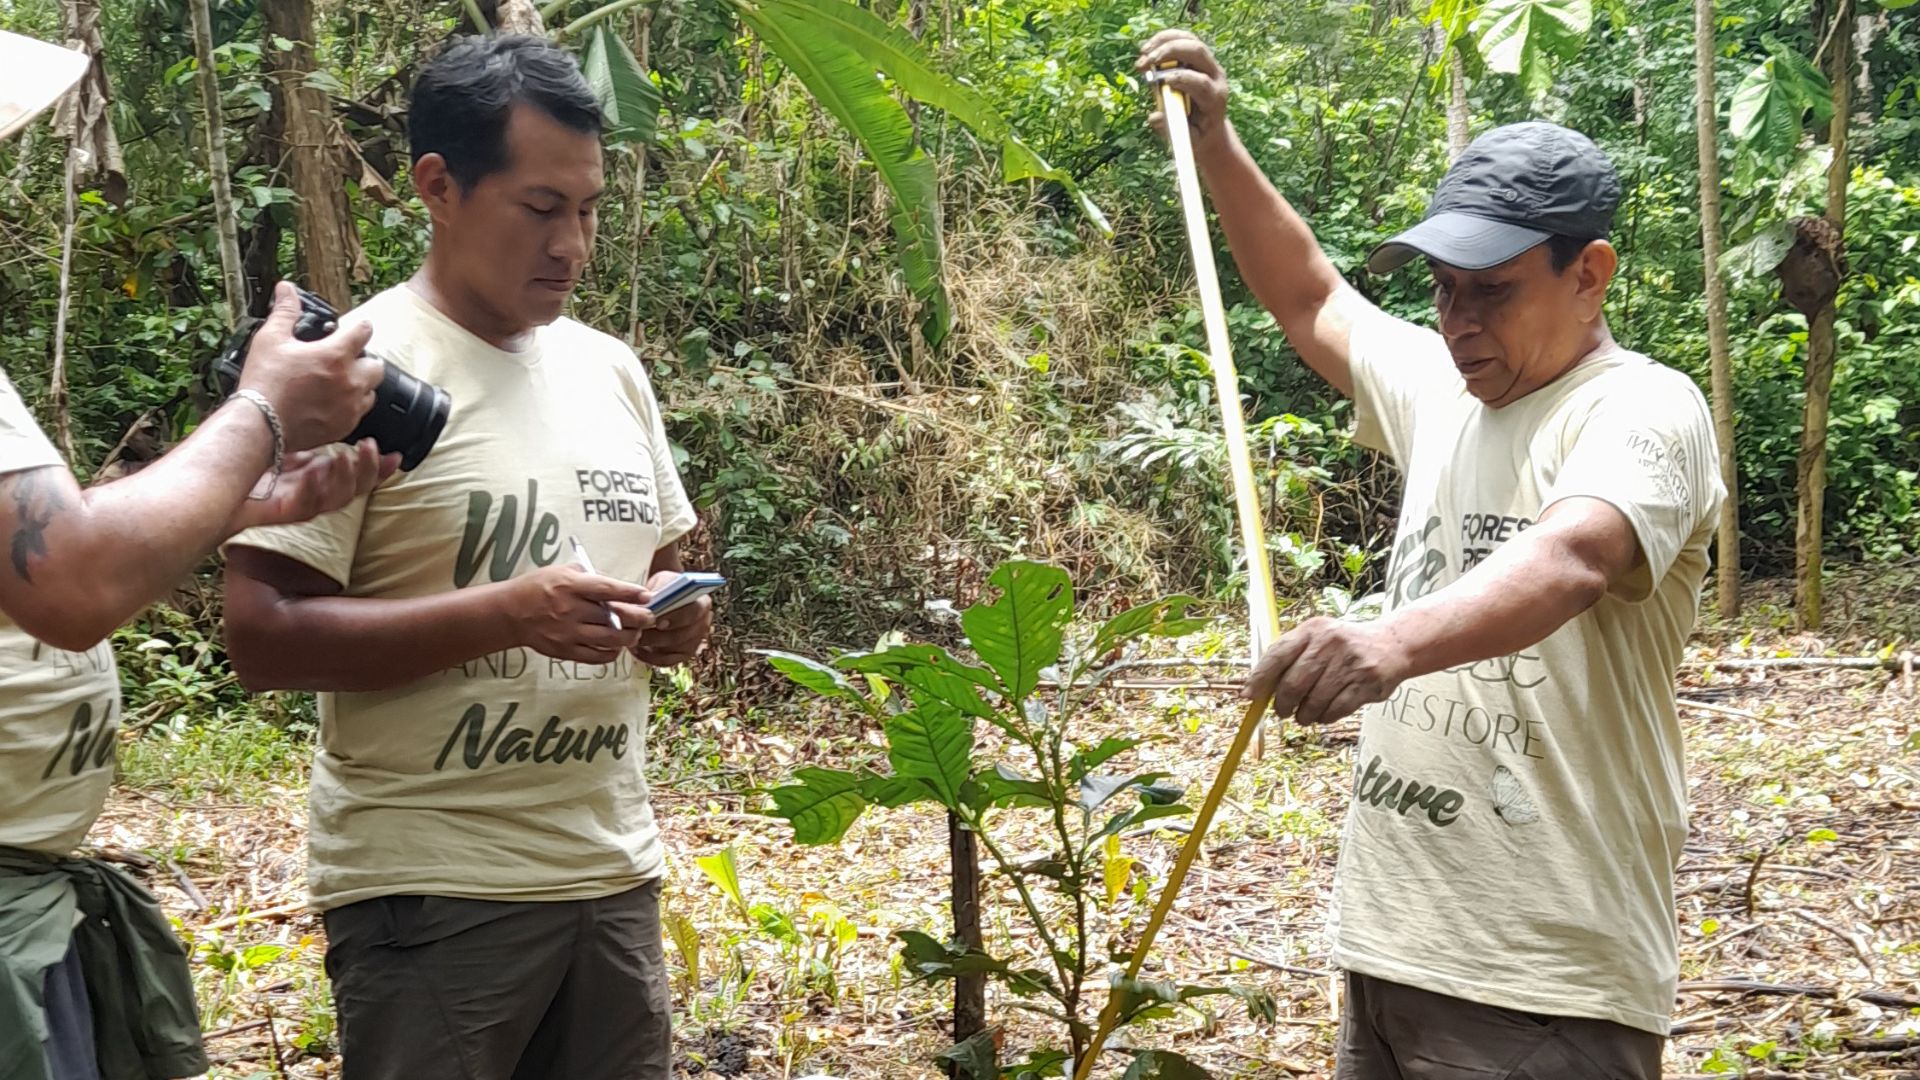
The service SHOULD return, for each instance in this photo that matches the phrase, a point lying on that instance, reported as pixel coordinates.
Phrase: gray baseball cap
(1512, 189)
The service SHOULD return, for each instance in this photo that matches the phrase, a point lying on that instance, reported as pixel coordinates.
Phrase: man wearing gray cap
(1504, 900)
(93, 984)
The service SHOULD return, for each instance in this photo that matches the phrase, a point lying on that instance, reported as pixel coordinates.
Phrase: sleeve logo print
(1511, 803)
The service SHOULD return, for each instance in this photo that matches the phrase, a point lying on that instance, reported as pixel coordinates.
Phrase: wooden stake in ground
(1263, 614)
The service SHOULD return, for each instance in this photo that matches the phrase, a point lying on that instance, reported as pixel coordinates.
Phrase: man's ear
(436, 186)
(1594, 270)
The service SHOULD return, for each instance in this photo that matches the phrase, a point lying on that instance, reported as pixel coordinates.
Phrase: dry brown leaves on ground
(1799, 895)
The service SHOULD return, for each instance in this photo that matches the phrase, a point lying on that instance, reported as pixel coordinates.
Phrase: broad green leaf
(1096, 790)
(809, 673)
(775, 923)
(892, 792)
(934, 745)
(1137, 996)
(1121, 822)
(686, 941)
(1758, 255)
(254, 956)
(1018, 161)
(1771, 102)
(901, 58)
(628, 99)
(932, 674)
(821, 805)
(892, 51)
(1006, 788)
(922, 949)
(1085, 761)
(1018, 634)
(1523, 37)
(976, 1058)
(842, 81)
(1163, 618)
(724, 871)
(1039, 1065)
(1896, 5)
(1163, 1065)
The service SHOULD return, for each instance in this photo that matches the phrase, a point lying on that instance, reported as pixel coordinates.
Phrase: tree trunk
(519, 17)
(219, 175)
(84, 114)
(1706, 116)
(325, 231)
(1823, 343)
(642, 47)
(969, 991)
(1457, 114)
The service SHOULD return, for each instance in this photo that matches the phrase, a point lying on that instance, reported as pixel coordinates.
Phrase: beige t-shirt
(514, 776)
(59, 710)
(1516, 822)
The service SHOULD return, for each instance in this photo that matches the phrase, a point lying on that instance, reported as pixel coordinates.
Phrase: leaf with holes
(1018, 635)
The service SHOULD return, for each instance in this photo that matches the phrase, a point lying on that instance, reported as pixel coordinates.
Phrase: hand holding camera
(319, 385)
(325, 387)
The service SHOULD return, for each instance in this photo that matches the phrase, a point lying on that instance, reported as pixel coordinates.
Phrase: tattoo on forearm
(35, 503)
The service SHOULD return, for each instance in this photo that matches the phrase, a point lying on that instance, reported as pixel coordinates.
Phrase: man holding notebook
(481, 838)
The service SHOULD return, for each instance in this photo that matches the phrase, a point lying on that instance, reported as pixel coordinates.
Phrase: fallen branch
(1853, 940)
(194, 895)
(1823, 993)
(235, 1029)
(1850, 663)
(1882, 1045)
(262, 915)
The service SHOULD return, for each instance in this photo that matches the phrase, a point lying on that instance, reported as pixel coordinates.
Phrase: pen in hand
(580, 555)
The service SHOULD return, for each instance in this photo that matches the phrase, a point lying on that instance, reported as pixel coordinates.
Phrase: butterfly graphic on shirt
(1511, 803)
(1510, 669)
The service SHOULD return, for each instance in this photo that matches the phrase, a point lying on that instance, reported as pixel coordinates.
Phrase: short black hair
(1562, 250)
(462, 97)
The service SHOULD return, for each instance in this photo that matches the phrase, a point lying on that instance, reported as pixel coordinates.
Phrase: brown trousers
(1395, 1032)
(436, 988)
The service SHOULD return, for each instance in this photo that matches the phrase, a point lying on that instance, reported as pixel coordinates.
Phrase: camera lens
(407, 417)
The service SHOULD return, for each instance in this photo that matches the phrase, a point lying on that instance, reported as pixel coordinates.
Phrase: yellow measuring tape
(1263, 613)
(1181, 864)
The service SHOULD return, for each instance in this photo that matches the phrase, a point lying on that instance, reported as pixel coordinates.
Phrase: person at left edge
(93, 983)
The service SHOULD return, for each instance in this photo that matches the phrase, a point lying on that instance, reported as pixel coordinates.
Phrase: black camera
(407, 415)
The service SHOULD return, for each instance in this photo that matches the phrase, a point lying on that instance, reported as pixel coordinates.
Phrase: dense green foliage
(848, 472)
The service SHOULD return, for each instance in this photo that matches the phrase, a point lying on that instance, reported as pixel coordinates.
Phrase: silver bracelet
(260, 402)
